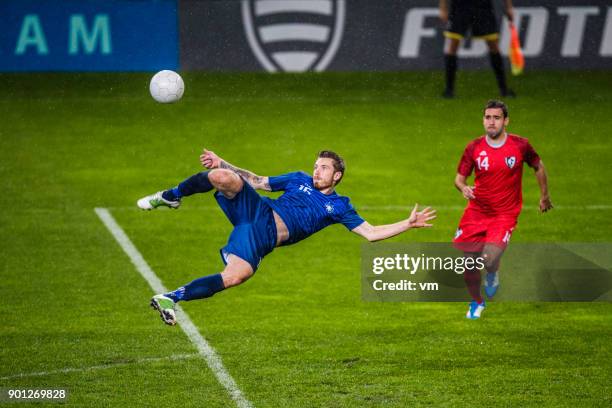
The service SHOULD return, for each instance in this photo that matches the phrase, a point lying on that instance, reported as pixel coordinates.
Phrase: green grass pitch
(296, 334)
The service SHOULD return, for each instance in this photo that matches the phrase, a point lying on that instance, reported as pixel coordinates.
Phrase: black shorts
(477, 18)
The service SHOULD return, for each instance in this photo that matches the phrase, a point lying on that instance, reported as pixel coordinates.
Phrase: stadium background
(74, 308)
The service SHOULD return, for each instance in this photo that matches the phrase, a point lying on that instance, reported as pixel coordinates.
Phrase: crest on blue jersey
(329, 207)
(510, 161)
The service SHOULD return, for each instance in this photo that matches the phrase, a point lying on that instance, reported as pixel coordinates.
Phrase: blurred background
(284, 36)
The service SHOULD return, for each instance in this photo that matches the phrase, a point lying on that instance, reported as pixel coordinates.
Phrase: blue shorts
(254, 234)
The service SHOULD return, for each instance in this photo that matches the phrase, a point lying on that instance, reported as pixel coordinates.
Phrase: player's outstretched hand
(419, 219)
(545, 204)
(209, 159)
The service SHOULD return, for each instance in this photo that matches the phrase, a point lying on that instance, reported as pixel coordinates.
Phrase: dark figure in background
(478, 17)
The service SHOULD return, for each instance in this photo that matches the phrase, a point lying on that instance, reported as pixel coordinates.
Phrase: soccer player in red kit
(495, 200)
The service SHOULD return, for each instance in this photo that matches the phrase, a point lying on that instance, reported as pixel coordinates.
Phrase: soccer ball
(166, 86)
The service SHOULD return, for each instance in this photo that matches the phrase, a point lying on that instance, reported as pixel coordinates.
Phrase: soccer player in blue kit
(307, 205)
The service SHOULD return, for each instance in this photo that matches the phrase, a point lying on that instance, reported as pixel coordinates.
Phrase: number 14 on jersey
(482, 162)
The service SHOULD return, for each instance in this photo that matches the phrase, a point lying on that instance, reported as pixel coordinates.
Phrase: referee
(478, 17)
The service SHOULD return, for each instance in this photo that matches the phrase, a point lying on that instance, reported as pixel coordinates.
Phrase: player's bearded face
(494, 122)
(323, 174)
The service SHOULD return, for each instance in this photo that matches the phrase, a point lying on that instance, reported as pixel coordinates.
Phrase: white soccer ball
(166, 86)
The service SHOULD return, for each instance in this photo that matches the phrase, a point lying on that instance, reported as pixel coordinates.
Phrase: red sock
(472, 281)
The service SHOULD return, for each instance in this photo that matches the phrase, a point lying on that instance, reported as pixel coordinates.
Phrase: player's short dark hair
(495, 104)
(338, 161)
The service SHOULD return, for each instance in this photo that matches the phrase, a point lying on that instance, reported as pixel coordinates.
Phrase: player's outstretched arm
(417, 219)
(210, 160)
(540, 173)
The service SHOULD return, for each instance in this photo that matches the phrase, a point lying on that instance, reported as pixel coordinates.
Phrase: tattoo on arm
(257, 182)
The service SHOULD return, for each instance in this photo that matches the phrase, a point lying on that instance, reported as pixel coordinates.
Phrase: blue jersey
(305, 210)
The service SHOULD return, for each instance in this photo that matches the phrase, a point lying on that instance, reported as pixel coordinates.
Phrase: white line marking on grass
(102, 366)
(206, 351)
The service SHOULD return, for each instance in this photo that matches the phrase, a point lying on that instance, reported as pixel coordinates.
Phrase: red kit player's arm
(467, 191)
(533, 160)
(540, 173)
(464, 169)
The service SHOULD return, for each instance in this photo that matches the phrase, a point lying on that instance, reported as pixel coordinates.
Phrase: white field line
(101, 366)
(204, 348)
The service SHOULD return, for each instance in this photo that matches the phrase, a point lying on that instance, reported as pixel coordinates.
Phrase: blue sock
(198, 183)
(198, 289)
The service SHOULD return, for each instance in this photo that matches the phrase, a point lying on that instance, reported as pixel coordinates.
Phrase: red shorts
(476, 229)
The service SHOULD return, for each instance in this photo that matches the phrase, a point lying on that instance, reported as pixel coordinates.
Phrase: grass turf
(297, 334)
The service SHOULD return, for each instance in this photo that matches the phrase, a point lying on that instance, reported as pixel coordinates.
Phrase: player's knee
(234, 279)
(490, 262)
(225, 180)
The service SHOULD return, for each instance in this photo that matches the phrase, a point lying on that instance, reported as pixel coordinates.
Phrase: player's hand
(545, 204)
(510, 14)
(209, 159)
(419, 219)
(468, 192)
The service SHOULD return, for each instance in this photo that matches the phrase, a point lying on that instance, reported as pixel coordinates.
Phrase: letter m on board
(98, 36)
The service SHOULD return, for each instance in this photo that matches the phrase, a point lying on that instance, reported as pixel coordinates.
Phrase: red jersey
(498, 173)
